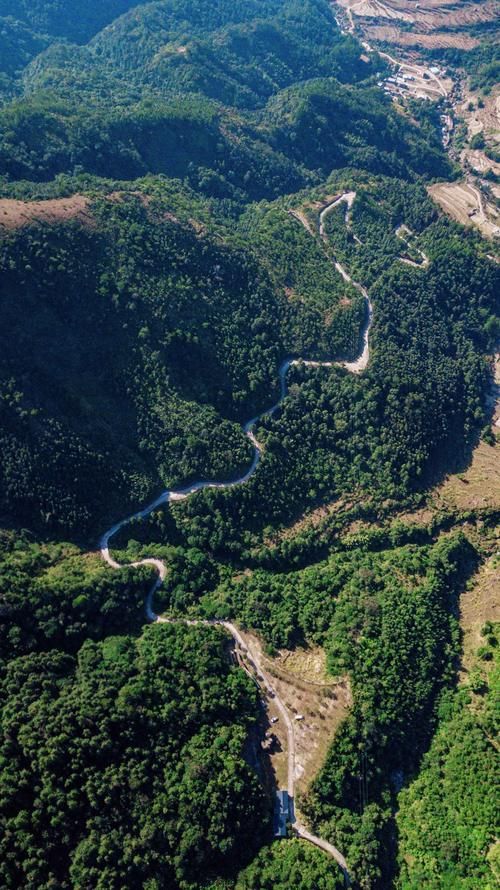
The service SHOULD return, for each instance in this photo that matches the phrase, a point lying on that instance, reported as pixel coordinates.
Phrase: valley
(470, 120)
(249, 302)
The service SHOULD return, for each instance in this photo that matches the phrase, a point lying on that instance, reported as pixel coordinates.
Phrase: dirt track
(463, 202)
(251, 659)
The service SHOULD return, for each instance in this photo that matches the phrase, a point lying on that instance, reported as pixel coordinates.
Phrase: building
(281, 813)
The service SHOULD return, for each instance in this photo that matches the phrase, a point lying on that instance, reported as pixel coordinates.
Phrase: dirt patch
(479, 604)
(300, 680)
(375, 9)
(427, 15)
(481, 115)
(463, 203)
(436, 40)
(301, 217)
(308, 665)
(478, 487)
(479, 161)
(309, 521)
(15, 214)
(485, 119)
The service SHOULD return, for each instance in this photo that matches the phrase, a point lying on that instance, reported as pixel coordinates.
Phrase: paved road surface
(250, 659)
(354, 367)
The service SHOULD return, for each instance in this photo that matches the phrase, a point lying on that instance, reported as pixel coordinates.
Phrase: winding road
(250, 660)
(388, 13)
(249, 657)
(404, 233)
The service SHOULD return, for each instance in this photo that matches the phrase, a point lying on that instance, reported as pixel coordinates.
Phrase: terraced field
(428, 17)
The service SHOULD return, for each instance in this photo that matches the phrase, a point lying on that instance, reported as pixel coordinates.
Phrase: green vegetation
(18, 45)
(52, 596)
(407, 418)
(482, 63)
(238, 106)
(397, 638)
(124, 767)
(61, 18)
(292, 863)
(203, 139)
(384, 610)
(447, 818)
(176, 309)
(206, 338)
(299, 264)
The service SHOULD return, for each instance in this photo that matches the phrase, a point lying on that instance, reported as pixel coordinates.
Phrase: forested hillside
(196, 91)
(146, 739)
(162, 407)
(448, 813)
(65, 18)
(192, 192)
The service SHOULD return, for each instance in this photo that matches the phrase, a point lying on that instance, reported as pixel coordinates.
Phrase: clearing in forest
(464, 203)
(316, 702)
(15, 214)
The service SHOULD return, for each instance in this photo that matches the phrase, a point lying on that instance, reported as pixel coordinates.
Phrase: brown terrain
(479, 485)
(317, 703)
(479, 603)
(15, 214)
(481, 163)
(416, 39)
(427, 15)
(463, 201)
(481, 117)
(484, 119)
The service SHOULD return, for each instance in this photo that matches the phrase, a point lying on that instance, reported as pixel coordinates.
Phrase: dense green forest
(396, 636)
(52, 597)
(202, 139)
(149, 414)
(392, 430)
(60, 18)
(237, 106)
(294, 864)
(124, 767)
(178, 304)
(447, 815)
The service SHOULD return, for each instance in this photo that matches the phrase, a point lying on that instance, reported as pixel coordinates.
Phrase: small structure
(281, 813)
